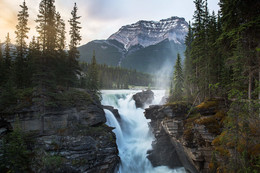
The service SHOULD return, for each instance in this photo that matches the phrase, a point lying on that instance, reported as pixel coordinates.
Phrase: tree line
(222, 60)
(117, 77)
(43, 68)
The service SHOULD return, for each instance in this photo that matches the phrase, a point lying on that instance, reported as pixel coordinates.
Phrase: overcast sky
(100, 18)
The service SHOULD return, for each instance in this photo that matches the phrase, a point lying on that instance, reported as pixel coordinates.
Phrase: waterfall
(134, 137)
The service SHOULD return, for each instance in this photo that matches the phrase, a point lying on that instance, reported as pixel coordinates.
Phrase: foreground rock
(69, 140)
(183, 142)
(143, 98)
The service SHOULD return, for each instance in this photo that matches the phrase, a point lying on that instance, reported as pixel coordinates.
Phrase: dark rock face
(187, 139)
(163, 152)
(167, 126)
(142, 98)
(77, 137)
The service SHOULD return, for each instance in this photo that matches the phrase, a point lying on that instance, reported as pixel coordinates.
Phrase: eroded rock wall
(76, 138)
(189, 147)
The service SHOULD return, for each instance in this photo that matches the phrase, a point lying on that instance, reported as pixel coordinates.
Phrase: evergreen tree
(44, 78)
(188, 68)
(61, 39)
(7, 55)
(33, 61)
(178, 79)
(75, 39)
(197, 53)
(61, 58)
(1, 66)
(242, 32)
(93, 83)
(21, 48)
(46, 27)
(47, 38)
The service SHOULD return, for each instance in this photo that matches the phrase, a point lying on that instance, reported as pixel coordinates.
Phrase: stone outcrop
(76, 138)
(143, 98)
(113, 110)
(187, 147)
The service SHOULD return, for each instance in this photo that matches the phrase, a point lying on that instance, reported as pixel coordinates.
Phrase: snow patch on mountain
(146, 33)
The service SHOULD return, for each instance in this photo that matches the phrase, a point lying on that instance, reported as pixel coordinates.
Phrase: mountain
(108, 52)
(145, 46)
(146, 33)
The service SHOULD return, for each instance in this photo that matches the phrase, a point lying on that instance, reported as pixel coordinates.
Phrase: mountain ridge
(148, 33)
(143, 51)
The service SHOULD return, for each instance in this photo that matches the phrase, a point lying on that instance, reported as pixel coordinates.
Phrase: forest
(117, 77)
(43, 71)
(222, 62)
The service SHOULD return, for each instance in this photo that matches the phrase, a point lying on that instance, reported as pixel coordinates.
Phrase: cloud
(99, 18)
(8, 19)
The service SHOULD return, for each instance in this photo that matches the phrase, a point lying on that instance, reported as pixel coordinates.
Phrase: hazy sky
(100, 18)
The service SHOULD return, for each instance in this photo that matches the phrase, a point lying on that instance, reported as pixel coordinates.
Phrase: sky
(99, 18)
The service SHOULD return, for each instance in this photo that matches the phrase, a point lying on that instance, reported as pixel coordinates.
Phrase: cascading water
(134, 137)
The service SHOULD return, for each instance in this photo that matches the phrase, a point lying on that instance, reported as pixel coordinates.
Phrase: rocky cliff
(68, 140)
(184, 141)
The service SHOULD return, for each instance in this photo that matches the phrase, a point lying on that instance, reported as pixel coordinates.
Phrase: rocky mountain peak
(146, 33)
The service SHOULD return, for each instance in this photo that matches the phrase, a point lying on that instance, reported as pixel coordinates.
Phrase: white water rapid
(134, 137)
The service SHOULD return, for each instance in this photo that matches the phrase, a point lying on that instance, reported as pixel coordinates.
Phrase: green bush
(15, 157)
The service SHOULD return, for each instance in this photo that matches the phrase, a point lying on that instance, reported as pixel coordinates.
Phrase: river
(134, 138)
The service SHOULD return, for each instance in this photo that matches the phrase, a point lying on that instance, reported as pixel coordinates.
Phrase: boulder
(113, 110)
(143, 98)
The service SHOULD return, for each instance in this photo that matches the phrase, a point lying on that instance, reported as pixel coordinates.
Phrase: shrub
(15, 157)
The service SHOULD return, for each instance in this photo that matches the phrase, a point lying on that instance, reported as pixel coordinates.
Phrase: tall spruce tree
(61, 58)
(7, 55)
(21, 76)
(46, 26)
(93, 83)
(61, 38)
(44, 78)
(188, 69)
(75, 39)
(178, 79)
(47, 39)
(1, 66)
(197, 52)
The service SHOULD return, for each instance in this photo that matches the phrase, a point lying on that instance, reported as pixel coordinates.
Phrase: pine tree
(178, 79)
(188, 69)
(47, 38)
(62, 58)
(241, 31)
(33, 59)
(61, 39)
(21, 48)
(75, 39)
(7, 54)
(44, 78)
(93, 83)
(1, 66)
(46, 27)
(197, 53)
